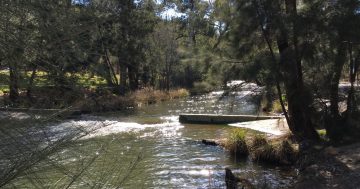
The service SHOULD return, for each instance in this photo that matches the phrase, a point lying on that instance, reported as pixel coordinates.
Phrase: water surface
(149, 148)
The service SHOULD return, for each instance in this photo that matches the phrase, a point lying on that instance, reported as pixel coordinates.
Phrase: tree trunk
(123, 77)
(298, 101)
(133, 83)
(112, 73)
(351, 103)
(13, 85)
(31, 83)
(334, 118)
(298, 98)
(335, 79)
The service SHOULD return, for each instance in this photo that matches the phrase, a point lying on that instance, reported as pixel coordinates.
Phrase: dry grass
(178, 93)
(90, 100)
(276, 106)
(258, 141)
(150, 95)
(279, 153)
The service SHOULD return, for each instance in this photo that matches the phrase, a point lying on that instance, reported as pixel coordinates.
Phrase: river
(149, 148)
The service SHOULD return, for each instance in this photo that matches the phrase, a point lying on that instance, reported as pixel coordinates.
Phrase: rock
(305, 145)
(331, 151)
(210, 142)
(232, 181)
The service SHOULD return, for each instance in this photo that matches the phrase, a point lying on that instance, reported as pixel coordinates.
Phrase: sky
(171, 13)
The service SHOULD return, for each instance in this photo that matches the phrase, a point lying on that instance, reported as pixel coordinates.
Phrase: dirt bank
(330, 167)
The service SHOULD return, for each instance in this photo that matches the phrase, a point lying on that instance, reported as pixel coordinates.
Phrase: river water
(149, 148)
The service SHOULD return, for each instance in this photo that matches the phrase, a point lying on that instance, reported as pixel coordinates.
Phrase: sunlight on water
(151, 149)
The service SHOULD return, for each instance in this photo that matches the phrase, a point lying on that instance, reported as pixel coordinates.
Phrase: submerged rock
(234, 182)
(210, 142)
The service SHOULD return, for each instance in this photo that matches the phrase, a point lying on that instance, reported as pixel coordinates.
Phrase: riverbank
(318, 165)
(329, 167)
(88, 101)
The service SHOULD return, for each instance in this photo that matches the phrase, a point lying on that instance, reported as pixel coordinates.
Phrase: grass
(41, 80)
(258, 141)
(90, 96)
(322, 134)
(241, 144)
(276, 106)
(88, 80)
(282, 153)
(236, 143)
(149, 95)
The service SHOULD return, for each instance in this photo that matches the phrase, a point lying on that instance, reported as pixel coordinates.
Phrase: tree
(308, 44)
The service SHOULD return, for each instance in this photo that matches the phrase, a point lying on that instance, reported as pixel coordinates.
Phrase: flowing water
(149, 148)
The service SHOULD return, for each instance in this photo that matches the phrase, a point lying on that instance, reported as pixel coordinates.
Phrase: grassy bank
(43, 79)
(259, 148)
(87, 92)
(91, 100)
(111, 102)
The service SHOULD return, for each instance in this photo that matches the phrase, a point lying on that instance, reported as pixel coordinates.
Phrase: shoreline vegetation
(84, 92)
(318, 165)
(101, 56)
(91, 101)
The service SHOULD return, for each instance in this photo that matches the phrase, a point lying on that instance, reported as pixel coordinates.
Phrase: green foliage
(201, 88)
(322, 133)
(236, 143)
(237, 134)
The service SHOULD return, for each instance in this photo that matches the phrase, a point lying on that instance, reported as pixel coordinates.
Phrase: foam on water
(109, 127)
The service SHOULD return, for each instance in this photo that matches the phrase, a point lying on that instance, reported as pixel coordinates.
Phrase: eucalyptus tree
(123, 28)
(270, 29)
(302, 46)
(12, 29)
(165, 49)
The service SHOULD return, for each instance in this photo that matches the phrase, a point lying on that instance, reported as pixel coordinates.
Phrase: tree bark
(335, 80)
(351, 104)
(133, 81)
(123, 77)
(31, 83)
(298, 98)
(13, 85)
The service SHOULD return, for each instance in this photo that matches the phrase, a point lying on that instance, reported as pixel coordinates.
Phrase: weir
(221, 119)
